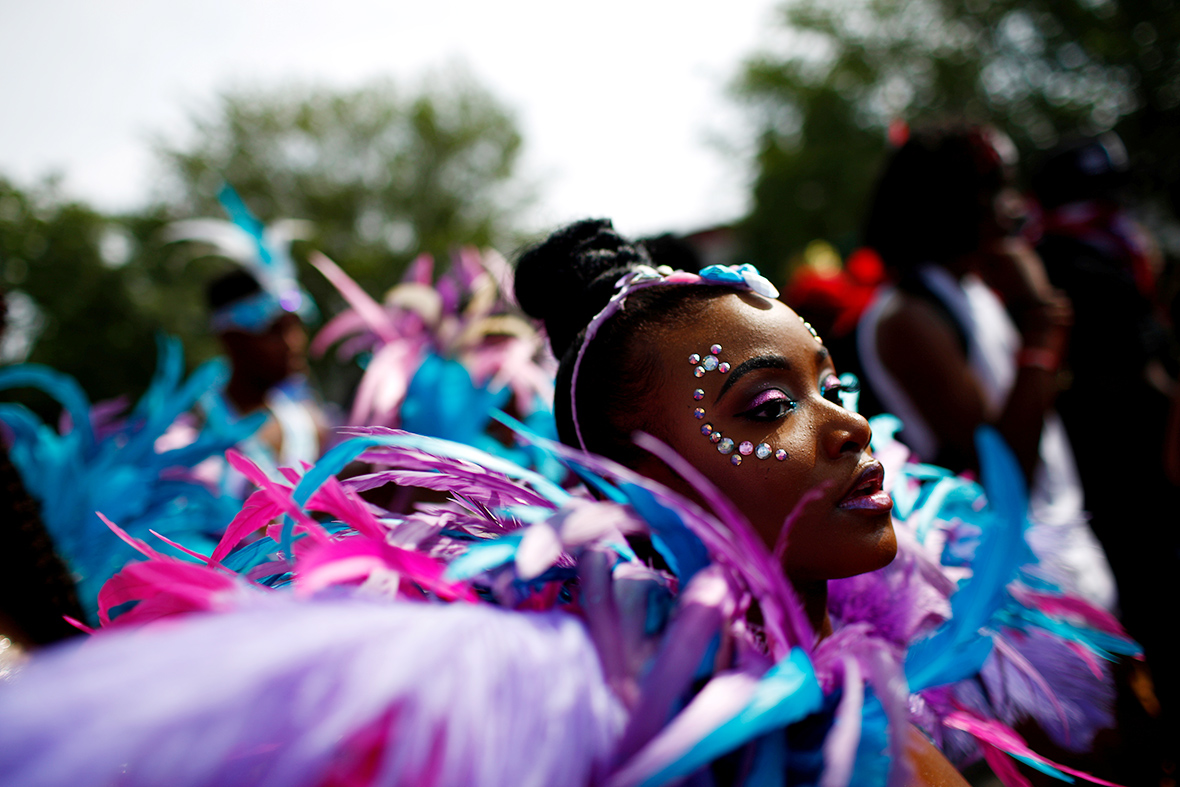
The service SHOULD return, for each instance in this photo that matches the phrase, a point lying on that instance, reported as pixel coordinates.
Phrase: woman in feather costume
(644, 632)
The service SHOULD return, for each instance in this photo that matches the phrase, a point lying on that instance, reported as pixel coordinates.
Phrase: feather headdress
(441, 357)
(264, 251)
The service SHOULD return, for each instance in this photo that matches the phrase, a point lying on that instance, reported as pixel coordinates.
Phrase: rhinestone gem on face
(715, 437)
(710, 363)
(735, 460)
(698, 394)
(715, 349)
(699, 413)
(725, 446)
(762, 451)
(706, 429)
(811, 330)
(723, 367)
(746, 448)
(699, 372)
(780, 455)
(694, 359)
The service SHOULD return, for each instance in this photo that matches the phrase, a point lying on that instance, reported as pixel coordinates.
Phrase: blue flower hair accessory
(740, 276)
(253, 314)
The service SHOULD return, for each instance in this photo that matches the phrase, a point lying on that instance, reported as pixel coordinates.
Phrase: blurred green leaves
(381, 173)
(846, 70)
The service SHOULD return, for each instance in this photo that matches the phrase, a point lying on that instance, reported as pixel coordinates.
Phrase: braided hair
(564, 281)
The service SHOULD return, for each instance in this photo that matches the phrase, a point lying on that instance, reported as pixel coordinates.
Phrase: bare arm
(921, 350)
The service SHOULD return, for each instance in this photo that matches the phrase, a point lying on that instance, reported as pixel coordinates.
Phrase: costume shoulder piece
(353, 645)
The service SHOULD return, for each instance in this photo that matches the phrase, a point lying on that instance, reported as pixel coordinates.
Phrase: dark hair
(931, 196)
(230, 287)
(673, 251)
(1082, 169)
(565, 281)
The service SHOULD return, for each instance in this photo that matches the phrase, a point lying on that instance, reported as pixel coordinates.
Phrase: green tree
(382, 174)
(1040, 70)
(63, 266)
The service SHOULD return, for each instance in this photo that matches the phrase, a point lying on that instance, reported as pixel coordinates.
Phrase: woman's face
(771, 392)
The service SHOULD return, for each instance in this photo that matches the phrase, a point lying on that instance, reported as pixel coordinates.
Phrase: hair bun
(570, 276)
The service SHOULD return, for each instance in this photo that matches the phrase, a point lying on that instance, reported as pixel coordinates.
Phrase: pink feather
(163, 587)
(347, 323)
(369, 310)
(1003, 737)
(421, 270)
(1070, 607)
(258, 511)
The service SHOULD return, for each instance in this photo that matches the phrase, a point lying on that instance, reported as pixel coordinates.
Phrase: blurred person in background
(1108, 265)
(969, 331)
(266, 345)
(258, 312)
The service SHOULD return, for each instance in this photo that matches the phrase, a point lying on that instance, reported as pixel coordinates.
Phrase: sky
(623, 104)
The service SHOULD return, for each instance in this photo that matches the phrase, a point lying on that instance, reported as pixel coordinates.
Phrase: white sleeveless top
(1061, 536)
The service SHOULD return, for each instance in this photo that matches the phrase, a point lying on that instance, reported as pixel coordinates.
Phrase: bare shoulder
(921, 349)
(912, 332)
(928, 766)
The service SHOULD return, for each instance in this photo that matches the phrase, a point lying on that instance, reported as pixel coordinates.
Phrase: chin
(872, 552)
(886, 547)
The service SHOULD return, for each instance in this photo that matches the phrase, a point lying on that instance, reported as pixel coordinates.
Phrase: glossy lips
(866, 493)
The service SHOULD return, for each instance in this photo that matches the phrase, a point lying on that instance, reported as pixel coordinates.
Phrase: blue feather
(240, 215)
(121, 475)
(788, 692)
(956, 650)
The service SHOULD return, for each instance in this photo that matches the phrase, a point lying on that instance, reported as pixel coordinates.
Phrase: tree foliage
(381, 174)
(1041, 70)
(68, 293)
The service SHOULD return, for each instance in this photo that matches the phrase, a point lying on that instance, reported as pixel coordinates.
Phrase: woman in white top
(970, 332)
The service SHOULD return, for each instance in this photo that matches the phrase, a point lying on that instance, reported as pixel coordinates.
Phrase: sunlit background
(622, 106)
(398, 128)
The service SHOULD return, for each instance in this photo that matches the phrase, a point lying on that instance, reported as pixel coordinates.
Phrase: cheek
(766, 491)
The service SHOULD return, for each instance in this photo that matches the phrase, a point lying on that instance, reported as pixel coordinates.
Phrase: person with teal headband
(259, 314)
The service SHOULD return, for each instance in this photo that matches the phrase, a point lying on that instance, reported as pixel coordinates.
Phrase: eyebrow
(744, 368)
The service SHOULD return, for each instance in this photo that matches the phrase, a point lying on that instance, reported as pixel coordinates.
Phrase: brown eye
(770, 405)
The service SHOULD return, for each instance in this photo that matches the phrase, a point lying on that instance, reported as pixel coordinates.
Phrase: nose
(845, 432)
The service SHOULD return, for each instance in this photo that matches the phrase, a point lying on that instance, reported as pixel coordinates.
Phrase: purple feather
(1085, 701)
(297, 694)
(704, 608)
(481, 486)
(902, 601)
(840, 744)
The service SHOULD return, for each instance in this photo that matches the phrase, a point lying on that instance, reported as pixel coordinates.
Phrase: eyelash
(770, 410)
(835, 389)
(839, 389)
